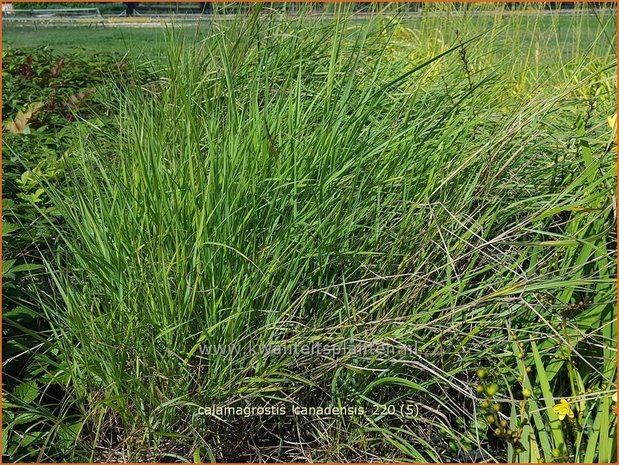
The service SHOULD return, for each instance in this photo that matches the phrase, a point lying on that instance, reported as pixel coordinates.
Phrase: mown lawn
(569, 31)
(138, 41)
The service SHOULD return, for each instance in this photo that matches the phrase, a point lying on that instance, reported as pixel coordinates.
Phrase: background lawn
(137, 41)
(572, 33)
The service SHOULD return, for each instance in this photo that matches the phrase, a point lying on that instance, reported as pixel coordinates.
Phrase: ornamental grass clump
(294, 182)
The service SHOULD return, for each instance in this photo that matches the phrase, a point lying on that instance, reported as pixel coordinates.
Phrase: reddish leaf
(56, 70)
(25, 69)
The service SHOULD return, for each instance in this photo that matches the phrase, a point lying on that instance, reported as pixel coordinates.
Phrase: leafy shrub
(47, 97)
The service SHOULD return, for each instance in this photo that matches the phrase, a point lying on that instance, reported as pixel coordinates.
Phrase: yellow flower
(612, 122)
(564, 409)
(615, 397)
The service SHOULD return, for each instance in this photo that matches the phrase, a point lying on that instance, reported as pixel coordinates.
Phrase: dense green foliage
(446, 187)
(65, 89)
